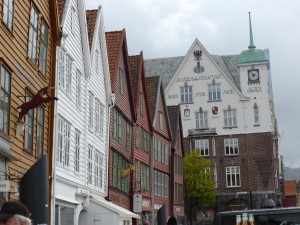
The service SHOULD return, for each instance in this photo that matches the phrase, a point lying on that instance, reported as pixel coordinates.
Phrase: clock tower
(254, 69)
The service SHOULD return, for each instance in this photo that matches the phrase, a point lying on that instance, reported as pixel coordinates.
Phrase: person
(14, 213)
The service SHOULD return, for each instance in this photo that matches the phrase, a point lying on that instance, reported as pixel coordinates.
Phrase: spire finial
(251, 46)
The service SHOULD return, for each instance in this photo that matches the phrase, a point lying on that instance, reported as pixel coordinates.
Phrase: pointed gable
(175, 123)
(134, 73)
(91, 17)
(60, 7)
(152, 89)
(113, 42)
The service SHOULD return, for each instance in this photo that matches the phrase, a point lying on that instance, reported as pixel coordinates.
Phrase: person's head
(14, 213)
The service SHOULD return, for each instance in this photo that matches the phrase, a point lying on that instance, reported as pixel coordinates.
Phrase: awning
(67, 200)
(118, 209)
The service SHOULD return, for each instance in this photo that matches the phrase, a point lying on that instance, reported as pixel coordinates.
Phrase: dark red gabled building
(141, 184)
(177, 154)
(121, 121)
(162, 140)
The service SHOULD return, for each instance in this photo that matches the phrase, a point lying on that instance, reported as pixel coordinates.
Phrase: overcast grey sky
(165, 28)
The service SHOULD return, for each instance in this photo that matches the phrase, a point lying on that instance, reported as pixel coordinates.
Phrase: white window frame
(97, 116)
(63, 141)
(90, 165)
(203, 146)
(69, 63)
(214, 92)
(202, 120)
(33, 35)
(186, 94)
(230, 118)
(231, 146)
(77, 151)
(43, 48)
(98, 169)
(233, 176)
(78, 89)
(61, 68)
(91, 111)
(5, 97)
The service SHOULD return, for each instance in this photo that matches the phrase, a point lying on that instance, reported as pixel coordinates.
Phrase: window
(33, 33)
(61, 68)
(120, 163)
(201, 120)
(63, 141)
(186, 94)
(145, 177)
(65, 63)
(29, 127)
(256, 114)
(40, 131)
(128, 136)
(99, 169)
(137, 137)
(122, 79)
(141, 105)
(136, 171)
(69, 63)
(145, 140)
(8, 11)
(161, 121)
(5, 79)
(203, 146)
(91, 110)
(64, 213)
(43, 48)
(160, 184)
(178, 193)
(233, 176)
(230, 118)
(231, 146)
(90, 165)
(97, 116)
(117, 132)
(77, 151)
(78, 89)
(214, 92)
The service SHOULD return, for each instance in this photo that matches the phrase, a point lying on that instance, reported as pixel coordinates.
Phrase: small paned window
(144, 177)
(137, 137)
(43, 48)
(90, 165)
(98, 169)
(29, 120)
(5, 95)
(78, 89)
(233, 178)
(117, 129)
(91, 111)
(203, 146)
(69, 63)
(201, 120)
(8, 11)
(231, 146)
(230, 118)
(40, 131)
(145, 140)
(119, 165)
(214, 92)
(128, 136)
(33, 34)
(61, 68)
(161, 121)
(142, 105)
(186, 94)
(77, 151)
(63, 141)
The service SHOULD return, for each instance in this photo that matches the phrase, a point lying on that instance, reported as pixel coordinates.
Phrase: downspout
(152, 175)
(113, 99)
(172, 182)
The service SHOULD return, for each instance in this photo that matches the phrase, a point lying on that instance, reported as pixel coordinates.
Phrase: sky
(167, 28)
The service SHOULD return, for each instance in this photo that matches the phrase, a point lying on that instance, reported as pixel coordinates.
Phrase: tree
(199, 186)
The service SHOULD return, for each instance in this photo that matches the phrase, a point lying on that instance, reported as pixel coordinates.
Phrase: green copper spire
(251, 34)
(252, 54)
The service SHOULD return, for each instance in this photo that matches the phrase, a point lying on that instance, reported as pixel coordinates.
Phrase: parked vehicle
(275, 216)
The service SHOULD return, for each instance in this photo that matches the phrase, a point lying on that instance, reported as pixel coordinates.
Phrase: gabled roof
(152, 89)
(114, 44)
(138, 79)
(134, 74)
(91, 18)
(60, 7)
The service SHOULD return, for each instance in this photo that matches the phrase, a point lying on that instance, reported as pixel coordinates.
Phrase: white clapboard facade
(81, 121)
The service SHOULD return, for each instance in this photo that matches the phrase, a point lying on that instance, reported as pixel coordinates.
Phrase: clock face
(253, 75)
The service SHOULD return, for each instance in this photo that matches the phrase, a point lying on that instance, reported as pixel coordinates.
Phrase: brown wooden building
(29, 35)
(142, 154)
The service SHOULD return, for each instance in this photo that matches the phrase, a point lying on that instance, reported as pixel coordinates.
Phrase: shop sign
(137, 203)
(4, 185)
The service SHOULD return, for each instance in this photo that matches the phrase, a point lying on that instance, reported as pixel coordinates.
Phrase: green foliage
(200, 189)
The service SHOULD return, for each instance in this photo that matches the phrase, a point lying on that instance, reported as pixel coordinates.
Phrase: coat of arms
(215, 110)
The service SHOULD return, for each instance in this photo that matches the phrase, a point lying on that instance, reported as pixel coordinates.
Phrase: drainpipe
(113, 99)
(152, 175)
